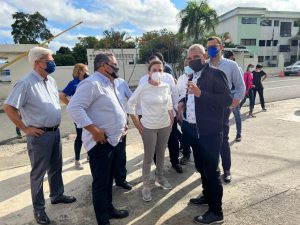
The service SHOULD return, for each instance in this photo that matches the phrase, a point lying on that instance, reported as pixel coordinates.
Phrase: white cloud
(133, 16)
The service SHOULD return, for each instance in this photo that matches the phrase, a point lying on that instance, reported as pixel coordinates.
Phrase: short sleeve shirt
(71, 87)
(257, 78)
(37, 100)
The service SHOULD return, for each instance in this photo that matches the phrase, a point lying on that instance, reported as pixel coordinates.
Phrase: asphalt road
(276, 89)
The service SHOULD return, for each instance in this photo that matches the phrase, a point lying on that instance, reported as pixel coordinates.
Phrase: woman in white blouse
(155, 125)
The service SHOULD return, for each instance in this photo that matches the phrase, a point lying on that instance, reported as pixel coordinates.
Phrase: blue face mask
(188, 70)
(51, 66)
(212, 51)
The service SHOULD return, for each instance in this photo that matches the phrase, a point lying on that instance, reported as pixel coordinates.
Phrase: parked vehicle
(292, 69)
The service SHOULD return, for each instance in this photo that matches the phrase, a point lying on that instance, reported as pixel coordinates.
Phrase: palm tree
(196, 19)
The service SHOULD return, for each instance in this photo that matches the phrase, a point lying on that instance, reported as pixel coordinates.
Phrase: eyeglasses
(113, 67)
(46, 61)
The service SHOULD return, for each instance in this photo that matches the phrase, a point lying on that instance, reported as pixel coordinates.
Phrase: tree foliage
(162, 41)
(196, 19)
(29, 28)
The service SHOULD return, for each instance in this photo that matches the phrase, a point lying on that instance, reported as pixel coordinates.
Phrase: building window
(267, 23)
(274, 57)
(275, 42)
(248, 42)
(269, 42)
(249, 20)
(267, 58)
(296, 24)
(284, 48)
(276, 23)
(260, 59)
(285, 29)
(294, 43)
(262, 43)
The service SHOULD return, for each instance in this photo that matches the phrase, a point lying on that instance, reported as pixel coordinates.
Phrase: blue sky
(132, 16)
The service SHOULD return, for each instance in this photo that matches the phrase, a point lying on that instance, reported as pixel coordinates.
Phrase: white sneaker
(163, 183)
(78, 165)
(146, 193)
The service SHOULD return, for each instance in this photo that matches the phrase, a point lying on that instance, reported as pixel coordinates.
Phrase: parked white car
(292, 69)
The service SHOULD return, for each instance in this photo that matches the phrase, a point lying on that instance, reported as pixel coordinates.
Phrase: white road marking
(282, 87)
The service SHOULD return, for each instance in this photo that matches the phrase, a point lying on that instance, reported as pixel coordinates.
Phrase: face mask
(196, 65)
(156, 76)
(51, 66)
(212, 51)
(188, 70)
(85, 76)
(114, 74)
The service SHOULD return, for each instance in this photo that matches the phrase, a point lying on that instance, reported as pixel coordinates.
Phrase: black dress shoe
(41, 217)
(118, 214)
(125, 185)
(64, 199)
(199, 201)
(178, 168)
(227, 177)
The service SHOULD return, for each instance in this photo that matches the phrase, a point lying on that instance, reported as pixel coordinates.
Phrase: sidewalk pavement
(265, 188)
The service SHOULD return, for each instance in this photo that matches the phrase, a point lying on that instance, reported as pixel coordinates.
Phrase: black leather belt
(47, 129)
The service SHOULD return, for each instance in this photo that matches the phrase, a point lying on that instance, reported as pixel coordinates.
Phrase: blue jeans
(251, 100)
(238, 121)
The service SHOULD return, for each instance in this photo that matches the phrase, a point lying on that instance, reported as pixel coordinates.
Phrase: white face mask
(156, 76)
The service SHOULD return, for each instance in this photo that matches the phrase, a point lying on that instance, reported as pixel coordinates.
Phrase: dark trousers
(78, 143)
(186, 147)
(121, 171)
(225, 149)
(18, 131)
(206, 150)
(261, 96)
(45, 154)
(251, 100)
(173, 145)
(102, 163)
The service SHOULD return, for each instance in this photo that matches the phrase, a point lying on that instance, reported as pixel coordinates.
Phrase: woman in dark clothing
(79, 73)
(258, 77)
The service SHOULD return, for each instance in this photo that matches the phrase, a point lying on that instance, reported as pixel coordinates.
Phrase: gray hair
(38, 53)
(197, 46)
(102, 57)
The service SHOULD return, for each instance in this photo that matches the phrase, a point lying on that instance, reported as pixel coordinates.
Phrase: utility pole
(42, 44)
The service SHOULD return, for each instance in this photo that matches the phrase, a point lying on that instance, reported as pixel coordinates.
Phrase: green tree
(29, 28)
(63, 50)
(117, 39)
(79, 51)
(196, 19)
(161, 41)
(64, 60)
(64, 57)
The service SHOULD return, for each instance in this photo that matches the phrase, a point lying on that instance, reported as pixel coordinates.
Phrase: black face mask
(114, 74)
(196, 65)
(85, 76)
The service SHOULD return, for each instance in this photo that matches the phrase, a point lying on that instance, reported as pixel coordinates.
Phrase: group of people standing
(200, 102)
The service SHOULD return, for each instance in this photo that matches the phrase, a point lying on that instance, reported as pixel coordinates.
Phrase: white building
(266, 33)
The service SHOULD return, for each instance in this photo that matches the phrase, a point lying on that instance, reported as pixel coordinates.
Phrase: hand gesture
(193, 89)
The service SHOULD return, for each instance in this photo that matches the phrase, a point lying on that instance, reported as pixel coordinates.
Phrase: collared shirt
(190, 104)
(182, 85)
(234, 76)
(166, 78)
(70, 89)
(95, 102)
(124, 91)
(37, 100)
